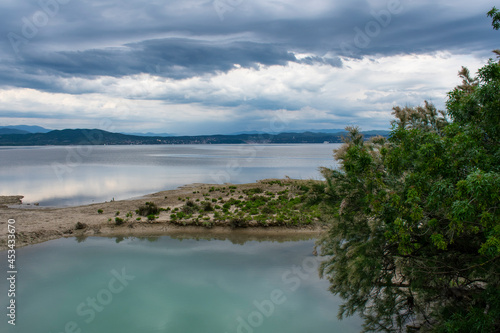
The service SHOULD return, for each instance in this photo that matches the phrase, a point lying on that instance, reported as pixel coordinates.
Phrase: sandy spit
(39, 224)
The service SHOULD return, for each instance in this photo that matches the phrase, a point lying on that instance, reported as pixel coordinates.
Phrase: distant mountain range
(147, 134)
(22, 129)
(11, 131)
(293, 131)
(100, 137)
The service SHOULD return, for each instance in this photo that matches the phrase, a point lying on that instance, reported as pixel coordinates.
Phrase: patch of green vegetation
(190, 207)
(147, 209)
(260, 207)
(255, 190)
(207, 207)
(238, 223)
(272, 182)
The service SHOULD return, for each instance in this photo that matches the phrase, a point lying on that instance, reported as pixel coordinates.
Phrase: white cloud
(361, 90)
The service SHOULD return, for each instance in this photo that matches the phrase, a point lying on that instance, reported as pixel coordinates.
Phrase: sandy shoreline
(38, 224)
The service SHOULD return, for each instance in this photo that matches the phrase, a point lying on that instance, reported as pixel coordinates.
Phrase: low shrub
(238, 223)
(267, 210)
(251, 191)
(147, 209)
(80, 225)
(190, 207)
(207, 207)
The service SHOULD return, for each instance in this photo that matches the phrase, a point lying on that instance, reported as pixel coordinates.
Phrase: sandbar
(39, 224)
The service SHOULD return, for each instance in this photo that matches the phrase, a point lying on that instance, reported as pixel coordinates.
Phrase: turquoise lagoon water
(164, 284)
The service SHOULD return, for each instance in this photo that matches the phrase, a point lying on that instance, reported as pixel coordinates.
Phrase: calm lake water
(171, 285)
(73, 175)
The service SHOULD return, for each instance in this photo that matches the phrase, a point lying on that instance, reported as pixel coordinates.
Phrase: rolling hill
(100, 137)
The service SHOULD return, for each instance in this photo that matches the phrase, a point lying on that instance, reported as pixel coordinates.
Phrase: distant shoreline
(38, 224)
(69, 137)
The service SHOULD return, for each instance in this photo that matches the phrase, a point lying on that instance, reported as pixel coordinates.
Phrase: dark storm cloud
(94, 35)
(415, 32)
(174, 58)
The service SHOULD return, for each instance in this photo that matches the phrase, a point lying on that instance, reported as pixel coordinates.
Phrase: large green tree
(414, 242)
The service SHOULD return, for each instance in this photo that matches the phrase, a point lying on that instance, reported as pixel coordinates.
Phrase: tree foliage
(495, 15)
(414, 243)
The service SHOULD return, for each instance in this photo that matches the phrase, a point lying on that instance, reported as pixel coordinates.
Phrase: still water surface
(165, 284)
(73, 175)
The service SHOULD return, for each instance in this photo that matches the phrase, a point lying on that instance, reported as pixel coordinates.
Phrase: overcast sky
(225, 66)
